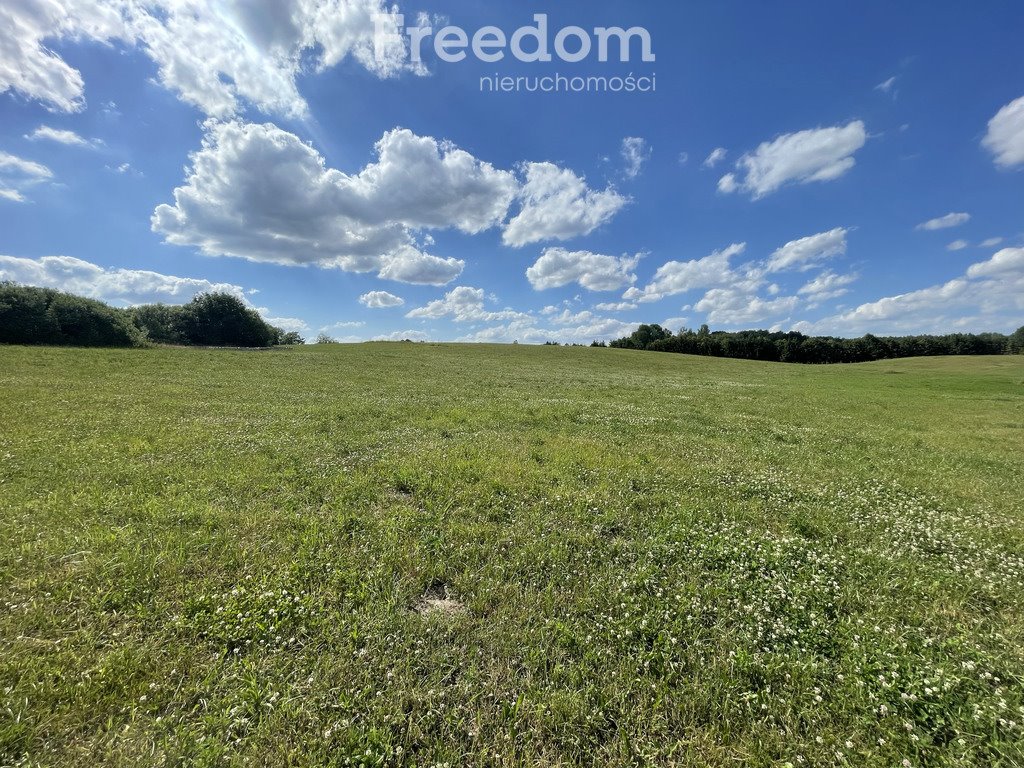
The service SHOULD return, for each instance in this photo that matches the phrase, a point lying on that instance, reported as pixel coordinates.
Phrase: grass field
(398, 554)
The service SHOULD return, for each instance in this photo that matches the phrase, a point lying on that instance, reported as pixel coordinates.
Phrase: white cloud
(527, 331)
(380, 300)
(343, 325)
(886, 86)
(125, 169)
(568, 317)
(684, 158)
(731, 294)
(635, 152)
(19, 166)
(213, 55)
(616, 306)
(735, 306)
(60, 136)
(557, 267)
(422, 182)
(467, 305)
(989, 296)
(728, 184)
(30, 67)
(675, 323)
(411, 265)
(804, 253)
(557, 204)
(409, 335)
(128, 286)
(1005, 135)
(676, 277)
(717, 155)
(463, 305)
(258, 192)
(1005, 262)
(945, 222)
(819, 154)
(827, 285)
(992, 242)
(958, 245)
(295, 324)
(16, 173)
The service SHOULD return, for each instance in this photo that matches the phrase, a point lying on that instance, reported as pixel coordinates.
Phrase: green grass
(217, 557)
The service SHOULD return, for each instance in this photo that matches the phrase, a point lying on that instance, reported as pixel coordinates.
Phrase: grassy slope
(210, 558)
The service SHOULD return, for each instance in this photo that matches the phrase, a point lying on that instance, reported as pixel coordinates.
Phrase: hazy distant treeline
(793, 347)
(31, 315)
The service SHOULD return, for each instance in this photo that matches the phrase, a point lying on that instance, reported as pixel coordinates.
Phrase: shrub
(160, 322)
(223, 320)
(794, 347)
(1015, 344)
(31, 315)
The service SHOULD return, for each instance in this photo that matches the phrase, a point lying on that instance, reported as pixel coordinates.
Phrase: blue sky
(831, 169)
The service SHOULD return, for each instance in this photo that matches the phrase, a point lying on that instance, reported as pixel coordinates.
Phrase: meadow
(442, 555)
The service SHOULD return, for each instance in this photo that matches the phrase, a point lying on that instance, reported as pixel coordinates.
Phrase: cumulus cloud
(296, 324)
(462, 305)
(1008, 261)
(380, 300)
(127, 286)
(259, 192)
(819, 154)
(945, 222)
(408, 335)
(465, 305)
(732, 305)
(732, 293)
(827, 285)
(717, 155)
(29, 67)
(213, 55)
(635, 152)
(411, 265)
(675, 277)
(988, 296)
(557, 267)
(568, 317)
(558, 205)
(1005, 135)
(805, 253)
(422, 182)
(60, 136)
(528, 331)
(17, 173)
(616, 306)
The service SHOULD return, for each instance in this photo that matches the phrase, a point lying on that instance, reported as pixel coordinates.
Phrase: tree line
(30, 315)
(794, 347)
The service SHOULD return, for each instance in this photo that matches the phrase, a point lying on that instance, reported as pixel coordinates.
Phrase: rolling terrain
(413, 554)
